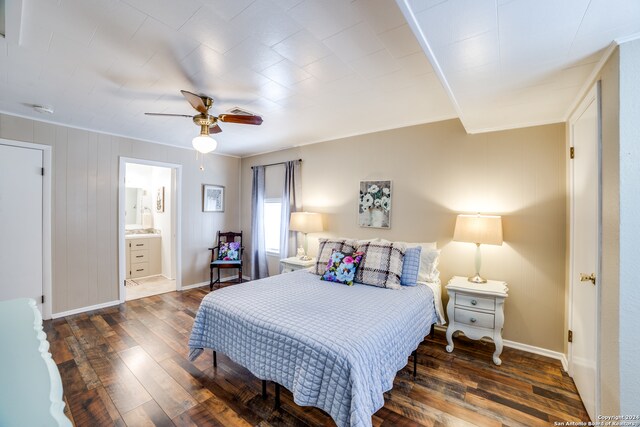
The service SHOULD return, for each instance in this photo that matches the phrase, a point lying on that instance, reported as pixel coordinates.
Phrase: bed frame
(277, 386)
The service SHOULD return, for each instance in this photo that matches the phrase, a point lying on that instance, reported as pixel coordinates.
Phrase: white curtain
(291, 202)
(259, 266)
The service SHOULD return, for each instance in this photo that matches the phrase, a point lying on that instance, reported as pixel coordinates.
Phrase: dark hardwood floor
(127, 365)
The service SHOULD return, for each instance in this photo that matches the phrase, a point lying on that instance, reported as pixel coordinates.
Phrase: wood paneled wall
(85, 206)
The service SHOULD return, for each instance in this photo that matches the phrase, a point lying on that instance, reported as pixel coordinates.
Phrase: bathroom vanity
(143, 255)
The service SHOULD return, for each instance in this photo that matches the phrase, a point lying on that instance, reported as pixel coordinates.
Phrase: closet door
(21, 214)
(585, 251)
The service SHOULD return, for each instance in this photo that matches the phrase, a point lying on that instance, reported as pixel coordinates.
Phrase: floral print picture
(375, 204)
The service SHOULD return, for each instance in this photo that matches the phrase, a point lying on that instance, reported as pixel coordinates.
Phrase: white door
(585, 138)
(21, 213)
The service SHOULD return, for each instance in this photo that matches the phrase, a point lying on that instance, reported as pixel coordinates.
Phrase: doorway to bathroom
(149, 228)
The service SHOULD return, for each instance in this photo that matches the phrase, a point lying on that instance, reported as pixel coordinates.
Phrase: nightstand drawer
(474, 318)
(475, 302)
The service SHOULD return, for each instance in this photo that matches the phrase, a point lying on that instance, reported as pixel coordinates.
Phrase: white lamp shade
(484, 229)
(204, 143)
(305, 222)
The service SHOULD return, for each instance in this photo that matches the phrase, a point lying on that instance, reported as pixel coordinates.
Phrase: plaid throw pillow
(326, 248)
(381, 264)
(229, 251)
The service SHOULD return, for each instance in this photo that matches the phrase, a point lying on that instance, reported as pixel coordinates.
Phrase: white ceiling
(314, 69)
(514, 63)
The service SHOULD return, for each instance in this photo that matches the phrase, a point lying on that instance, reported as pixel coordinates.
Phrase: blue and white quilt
(336, 347)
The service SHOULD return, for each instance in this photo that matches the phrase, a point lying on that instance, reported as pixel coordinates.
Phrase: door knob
(588, 278)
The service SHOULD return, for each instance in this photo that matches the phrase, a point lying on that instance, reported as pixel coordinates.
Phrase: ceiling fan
(208, 123)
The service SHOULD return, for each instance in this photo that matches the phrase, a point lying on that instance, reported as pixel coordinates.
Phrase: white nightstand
(295, 263)
(477, 310)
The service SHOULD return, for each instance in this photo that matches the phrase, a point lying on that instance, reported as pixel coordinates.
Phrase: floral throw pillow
(341, 267)
(229, 251)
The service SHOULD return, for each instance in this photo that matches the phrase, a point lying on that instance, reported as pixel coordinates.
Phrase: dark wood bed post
(432, 334)
(215, 359)
(264, 389)
(277, 405)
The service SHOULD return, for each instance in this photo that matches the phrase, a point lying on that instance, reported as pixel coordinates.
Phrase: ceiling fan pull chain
(201, 160)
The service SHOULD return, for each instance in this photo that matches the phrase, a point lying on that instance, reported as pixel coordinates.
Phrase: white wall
(629, 228)
(161, 177)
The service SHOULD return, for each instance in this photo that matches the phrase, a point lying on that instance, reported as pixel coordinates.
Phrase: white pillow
(429, 258)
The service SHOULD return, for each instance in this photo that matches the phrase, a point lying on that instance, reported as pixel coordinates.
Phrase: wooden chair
(217, 262)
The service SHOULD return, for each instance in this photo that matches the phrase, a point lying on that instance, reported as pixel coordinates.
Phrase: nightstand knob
(474, 302)
(473, 320)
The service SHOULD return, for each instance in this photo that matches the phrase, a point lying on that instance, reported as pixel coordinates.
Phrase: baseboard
(529, 349)
(538, 350)
(226, 279)
(84, 309)
(112, 303)
(565, 363)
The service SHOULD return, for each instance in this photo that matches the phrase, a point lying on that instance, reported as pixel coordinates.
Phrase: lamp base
(477, 279)
(305, 258)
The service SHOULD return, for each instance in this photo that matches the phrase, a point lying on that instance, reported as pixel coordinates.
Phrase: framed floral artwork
(374, 207)
(212, 198)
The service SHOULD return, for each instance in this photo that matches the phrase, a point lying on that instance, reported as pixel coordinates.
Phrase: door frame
(176, 221)
(593, 95)
(47, 290)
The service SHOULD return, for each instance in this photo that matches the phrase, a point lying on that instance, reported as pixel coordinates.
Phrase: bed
(335, 347)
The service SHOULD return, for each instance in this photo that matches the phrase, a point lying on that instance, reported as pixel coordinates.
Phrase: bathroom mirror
(133, 206)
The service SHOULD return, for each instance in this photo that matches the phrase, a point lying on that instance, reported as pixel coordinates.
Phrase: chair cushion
(229, 251)
(225, 262)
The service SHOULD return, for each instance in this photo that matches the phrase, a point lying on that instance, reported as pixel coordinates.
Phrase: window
(272, 210)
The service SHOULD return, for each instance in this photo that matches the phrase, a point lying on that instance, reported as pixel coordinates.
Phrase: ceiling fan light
(204, 143)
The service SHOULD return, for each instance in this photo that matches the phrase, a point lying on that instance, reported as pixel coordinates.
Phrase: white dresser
(30, 385)
(477, 310)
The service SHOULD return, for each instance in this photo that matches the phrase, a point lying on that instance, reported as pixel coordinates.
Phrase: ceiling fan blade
(240, 118)
(196, 101)
(171, 115)
(215, 129)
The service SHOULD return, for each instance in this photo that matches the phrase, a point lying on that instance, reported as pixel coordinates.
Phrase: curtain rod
(274, 164)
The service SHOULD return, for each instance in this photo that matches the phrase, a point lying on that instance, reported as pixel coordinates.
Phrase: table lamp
(478, 229)
(305, 222)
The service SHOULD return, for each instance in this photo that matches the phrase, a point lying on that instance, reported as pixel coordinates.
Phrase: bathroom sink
(141, 235)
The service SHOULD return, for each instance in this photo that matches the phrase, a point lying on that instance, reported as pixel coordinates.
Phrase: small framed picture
(212, 198)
